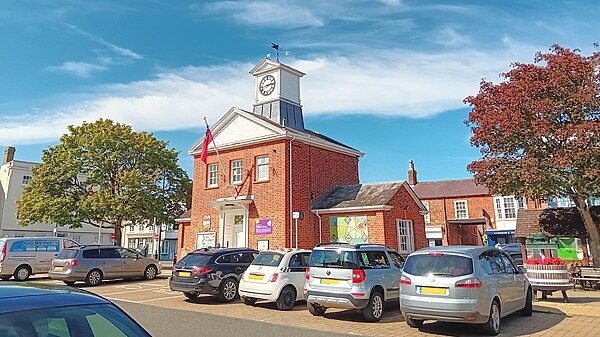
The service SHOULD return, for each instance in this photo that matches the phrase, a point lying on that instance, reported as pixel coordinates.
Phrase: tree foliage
(105, 173)
(539, 130)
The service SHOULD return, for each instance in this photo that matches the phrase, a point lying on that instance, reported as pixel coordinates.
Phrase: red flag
(207, 139)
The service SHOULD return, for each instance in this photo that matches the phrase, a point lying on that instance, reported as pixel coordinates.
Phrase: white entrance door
(233, 230)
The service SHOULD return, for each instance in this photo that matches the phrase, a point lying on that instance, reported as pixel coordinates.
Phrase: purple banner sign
(263, 227)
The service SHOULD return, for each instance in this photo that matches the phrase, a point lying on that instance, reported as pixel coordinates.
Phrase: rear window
(194, 259)
(333, 259)
(268, 259)
(66, 254)
(438, 265)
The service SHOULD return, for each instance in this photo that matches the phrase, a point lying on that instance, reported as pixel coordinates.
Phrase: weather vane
(278, 49)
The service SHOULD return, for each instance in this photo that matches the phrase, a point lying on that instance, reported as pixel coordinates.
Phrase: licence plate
(255, 277)
(57, 268)
(185, 274)
(329, 281)
(432, 291)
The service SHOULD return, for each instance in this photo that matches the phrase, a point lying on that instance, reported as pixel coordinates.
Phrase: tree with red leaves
(538, 131)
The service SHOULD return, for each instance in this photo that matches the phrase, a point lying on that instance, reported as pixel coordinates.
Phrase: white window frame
(236, 171)
(212, 175)
(427, 216)
(521, 203)
(165, 247)
(466, 210)
(504, 211)
(262, 165)
(406, 237)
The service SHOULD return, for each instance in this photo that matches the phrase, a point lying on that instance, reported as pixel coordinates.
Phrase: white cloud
(391, 2)
(266, 13)
(124, 52)
(394, 83)
(79, 69)
(448, 36)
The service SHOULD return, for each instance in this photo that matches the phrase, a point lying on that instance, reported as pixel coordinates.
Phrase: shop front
(501, 236)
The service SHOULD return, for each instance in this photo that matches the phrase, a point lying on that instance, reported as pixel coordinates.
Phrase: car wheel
(374, 310)
(22, 273)
(93, 278)
(413, 323)
(249, 300)
(492, 326)
(69, 283)
(528, 308)
(150, 272)
(6, 278)
(286, 299)
(191, 296)
(228, 290)
(316, 310)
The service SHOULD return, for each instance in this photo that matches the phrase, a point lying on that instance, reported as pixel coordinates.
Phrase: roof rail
(355, 245)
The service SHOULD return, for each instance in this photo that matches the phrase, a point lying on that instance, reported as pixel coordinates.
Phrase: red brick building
(258, 190)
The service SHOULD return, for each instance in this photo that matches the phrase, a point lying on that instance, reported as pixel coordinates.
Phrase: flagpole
(220, 161)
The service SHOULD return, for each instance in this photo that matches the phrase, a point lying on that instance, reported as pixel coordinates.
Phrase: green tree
(539, 131)
(105, 173)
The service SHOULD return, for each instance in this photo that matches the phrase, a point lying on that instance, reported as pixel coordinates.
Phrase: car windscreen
(438, 264)
(195, 259)
(334, 258)
(66, 254)
(270, 259)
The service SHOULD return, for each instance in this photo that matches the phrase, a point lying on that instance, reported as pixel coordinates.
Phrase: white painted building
(144, 237)
(14, 176)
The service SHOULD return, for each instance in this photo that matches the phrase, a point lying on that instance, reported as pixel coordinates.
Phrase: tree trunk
(118, 231)
(592, 228)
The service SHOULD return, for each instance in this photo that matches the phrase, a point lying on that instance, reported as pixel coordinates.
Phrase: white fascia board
(422, 209)
(183, 220)
(353, 209)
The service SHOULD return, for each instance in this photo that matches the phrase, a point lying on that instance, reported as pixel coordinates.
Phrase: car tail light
(71, 263)
(202, 270)
(307, 273)
(436, 254)
(469, 283)
(405, 280)
(358, 276)
(273, 277)
(3, 254)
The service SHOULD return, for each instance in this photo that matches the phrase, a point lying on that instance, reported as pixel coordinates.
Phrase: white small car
(276, 275)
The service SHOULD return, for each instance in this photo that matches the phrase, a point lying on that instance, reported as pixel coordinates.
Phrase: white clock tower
(277, 94)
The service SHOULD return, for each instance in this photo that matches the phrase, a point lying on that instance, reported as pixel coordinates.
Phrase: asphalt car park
(156, 293)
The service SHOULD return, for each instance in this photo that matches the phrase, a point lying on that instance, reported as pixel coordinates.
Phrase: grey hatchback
(467, 284)
(95, 263)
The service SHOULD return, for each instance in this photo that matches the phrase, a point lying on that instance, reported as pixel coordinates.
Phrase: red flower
(549, 261)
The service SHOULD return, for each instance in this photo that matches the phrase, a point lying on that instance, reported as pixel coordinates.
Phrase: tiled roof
(361, 195)
(553, 221)
(449, 188)
(186, 215)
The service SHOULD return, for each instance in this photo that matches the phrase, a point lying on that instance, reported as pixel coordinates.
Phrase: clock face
(267, 85)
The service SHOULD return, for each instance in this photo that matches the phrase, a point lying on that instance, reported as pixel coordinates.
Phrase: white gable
(240, 130)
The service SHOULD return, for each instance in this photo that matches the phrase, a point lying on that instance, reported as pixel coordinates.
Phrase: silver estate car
(467, 284)
(352, 276)
(95, 263)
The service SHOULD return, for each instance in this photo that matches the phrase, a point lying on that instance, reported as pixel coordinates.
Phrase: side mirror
(522, 270)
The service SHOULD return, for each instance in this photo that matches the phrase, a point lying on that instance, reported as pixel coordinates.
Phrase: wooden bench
(588, 278)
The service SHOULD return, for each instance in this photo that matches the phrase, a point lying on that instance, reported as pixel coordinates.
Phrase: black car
(215, 272)
(28, 310)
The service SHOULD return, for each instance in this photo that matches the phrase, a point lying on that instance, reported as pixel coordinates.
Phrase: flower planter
(550, 277)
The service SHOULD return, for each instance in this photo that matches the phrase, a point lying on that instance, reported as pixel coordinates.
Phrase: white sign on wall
(205, 240)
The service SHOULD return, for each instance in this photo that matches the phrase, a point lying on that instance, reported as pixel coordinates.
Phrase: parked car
(23, 257)
(513, 250)
(352, 276)
(95, 263)
(467, 284)
(28, 310)
(211, 271)
(276, 275)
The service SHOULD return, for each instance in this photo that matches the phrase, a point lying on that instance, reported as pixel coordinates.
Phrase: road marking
(128, 291)
(156, 285)
(158, 299)
(120, 299)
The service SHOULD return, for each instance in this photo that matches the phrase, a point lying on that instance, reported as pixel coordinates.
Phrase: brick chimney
(9, 154)
(412, 174)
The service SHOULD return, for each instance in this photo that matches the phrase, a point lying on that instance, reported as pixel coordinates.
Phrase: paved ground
(552, 317)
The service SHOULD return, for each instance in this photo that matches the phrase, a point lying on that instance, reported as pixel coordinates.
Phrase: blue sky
(386, 77)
